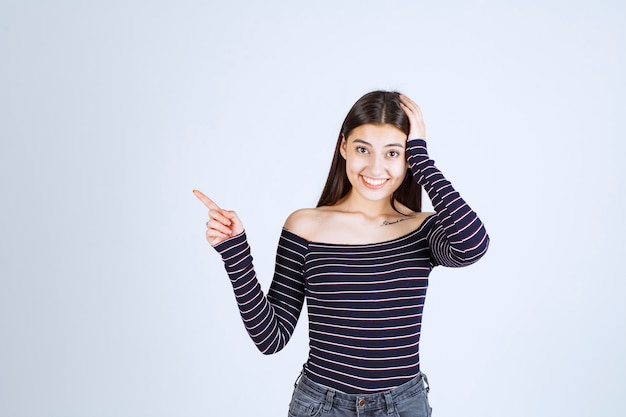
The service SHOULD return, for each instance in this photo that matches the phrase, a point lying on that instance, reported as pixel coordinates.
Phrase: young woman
(361, 259)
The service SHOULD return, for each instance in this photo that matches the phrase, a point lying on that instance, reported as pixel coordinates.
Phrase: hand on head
(222, 224)
(414, 113)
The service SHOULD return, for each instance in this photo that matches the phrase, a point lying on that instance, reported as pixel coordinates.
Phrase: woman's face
(375, 159)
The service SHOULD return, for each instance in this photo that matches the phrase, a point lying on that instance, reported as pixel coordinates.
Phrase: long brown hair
(377, 107)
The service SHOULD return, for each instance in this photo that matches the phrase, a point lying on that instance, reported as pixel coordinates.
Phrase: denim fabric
(313, 400)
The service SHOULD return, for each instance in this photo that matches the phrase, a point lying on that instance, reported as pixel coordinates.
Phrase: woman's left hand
(413, 112)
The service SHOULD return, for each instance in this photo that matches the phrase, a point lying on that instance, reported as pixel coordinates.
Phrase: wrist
(416, 141)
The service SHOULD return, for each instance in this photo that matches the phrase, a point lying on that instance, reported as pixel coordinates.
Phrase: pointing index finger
(206, 200)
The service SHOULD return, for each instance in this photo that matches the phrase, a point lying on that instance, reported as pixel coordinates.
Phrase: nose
(378, 166)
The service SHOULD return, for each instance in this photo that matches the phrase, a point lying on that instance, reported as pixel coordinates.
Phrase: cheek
(400, 168)
(354, 165)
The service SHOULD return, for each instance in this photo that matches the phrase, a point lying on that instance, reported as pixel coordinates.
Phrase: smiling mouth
(374, 182)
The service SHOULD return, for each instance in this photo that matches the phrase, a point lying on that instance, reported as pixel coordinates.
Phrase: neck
(372, 209)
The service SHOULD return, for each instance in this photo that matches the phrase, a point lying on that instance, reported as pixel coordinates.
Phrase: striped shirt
(365, 301)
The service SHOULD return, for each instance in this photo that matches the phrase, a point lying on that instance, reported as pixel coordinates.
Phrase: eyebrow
(391, 145)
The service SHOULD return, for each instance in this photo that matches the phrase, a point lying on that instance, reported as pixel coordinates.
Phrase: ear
(343, 146)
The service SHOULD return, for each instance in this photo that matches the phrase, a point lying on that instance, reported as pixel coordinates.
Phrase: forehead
(378, 134)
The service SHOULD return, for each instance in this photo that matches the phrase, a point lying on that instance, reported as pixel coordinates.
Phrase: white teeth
(372, 181)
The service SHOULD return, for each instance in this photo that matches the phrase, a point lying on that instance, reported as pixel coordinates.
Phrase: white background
(113, 304)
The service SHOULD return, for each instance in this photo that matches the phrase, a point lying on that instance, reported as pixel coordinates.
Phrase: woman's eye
(393, 154)
(361, 149)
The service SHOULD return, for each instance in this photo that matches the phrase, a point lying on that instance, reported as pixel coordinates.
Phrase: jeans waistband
(375, 401)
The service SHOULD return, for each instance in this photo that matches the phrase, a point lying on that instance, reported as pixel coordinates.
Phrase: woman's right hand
(222, 224)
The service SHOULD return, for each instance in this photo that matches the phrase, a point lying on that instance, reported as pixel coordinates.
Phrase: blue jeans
(407, 400)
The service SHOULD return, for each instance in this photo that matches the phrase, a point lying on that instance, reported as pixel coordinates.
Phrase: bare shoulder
(331, 224)
(304, 222)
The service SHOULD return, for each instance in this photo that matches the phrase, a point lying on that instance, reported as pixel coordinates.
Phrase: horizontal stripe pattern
(365, 307)
(459, 238)
(365, 302)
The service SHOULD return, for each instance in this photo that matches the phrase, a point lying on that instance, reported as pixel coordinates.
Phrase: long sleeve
(459, 237)
(270, 321)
